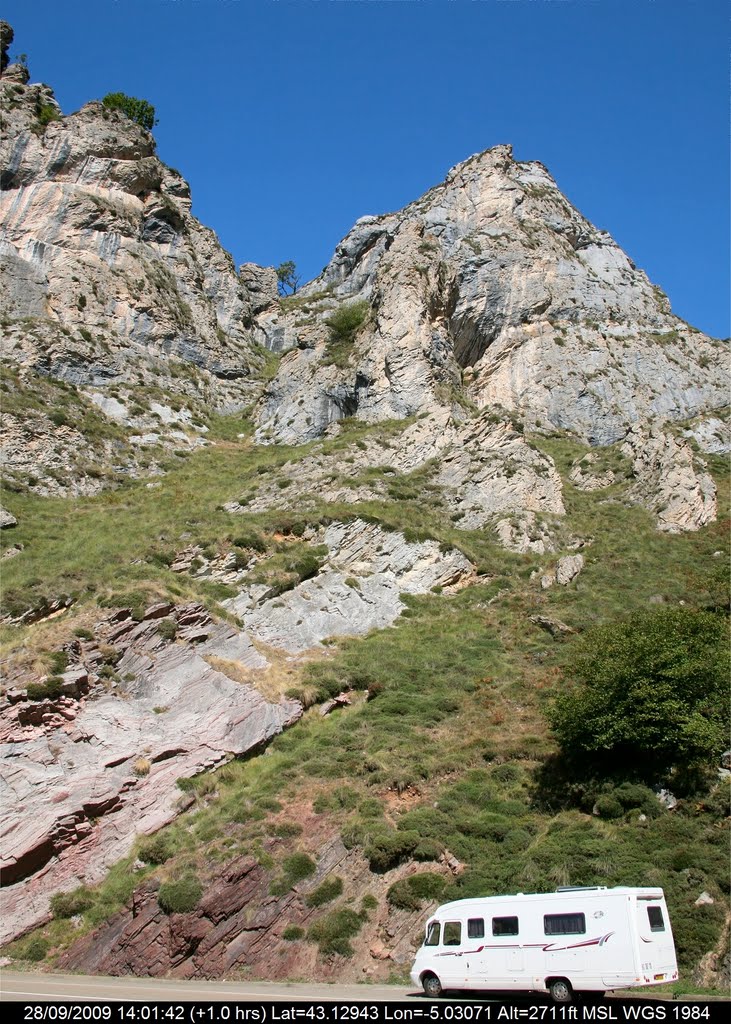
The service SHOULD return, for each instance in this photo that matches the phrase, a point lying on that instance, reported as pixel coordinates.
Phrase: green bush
(139, 111)
(167, 629)
(35, 949)
(156, 849)
(410, 893)
(68, 904)
(46, 113)
(330, 889)
(48, 690)
(331, 933)
(608, 806)
(180, 897)
(292, 933)
(344, 324)
(385, 850)
(649, 695)
(295, 868)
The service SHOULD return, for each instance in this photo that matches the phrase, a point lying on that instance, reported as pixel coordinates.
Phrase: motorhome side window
(564, 924)
(656, 922)
(432, 935)
(475, 928)
(505, 926)
(452, 933)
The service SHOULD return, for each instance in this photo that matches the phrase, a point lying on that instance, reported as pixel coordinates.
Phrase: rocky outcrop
(670, 482)
(99, 249)
(490, 289)
(482, 470)
(7, 519)
(357, 589)
(86, 771)
(566, 570)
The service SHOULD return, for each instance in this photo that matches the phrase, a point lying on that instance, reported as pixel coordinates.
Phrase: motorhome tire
(432, 985)
(560, 991)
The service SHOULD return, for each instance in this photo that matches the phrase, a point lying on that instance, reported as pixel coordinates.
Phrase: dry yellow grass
(282, 673)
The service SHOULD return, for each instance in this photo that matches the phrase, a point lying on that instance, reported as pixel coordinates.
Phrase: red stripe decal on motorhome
(547, 948)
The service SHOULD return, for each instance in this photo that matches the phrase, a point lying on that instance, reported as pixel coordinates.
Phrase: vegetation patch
(344, 325)
(180, 897)
(333, 932)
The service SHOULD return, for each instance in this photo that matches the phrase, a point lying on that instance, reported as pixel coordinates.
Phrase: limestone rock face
(357, 589)
(493, 290)
(669, 481)
(99, 248)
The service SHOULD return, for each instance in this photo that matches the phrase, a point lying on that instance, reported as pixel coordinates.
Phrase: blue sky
(293, 119)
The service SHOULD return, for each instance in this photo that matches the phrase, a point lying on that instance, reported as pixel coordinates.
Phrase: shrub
(139, 111)
(156, 849)
(35, 949)
(48, 690)
(141, 767)
(649, 694)
(387, 849)
(47, 113)
(330, 889)
(180, 897)
(410, 893)
(59, 661)
(294, 868)
(331, 933)
(68, 904)
(344, 324)
(167, 629)
(292, 933)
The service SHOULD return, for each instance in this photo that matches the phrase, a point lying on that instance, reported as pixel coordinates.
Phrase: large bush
(648, 695)
(180, 897)
(139, 111)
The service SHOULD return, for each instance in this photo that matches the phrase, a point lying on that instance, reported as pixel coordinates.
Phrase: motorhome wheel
(560, 991)
(432, 985)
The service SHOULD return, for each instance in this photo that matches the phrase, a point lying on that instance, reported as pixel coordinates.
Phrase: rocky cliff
(110, 286)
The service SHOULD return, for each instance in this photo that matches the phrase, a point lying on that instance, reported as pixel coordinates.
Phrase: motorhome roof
(594, 892)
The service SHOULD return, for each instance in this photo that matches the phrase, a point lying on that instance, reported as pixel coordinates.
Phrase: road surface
(16, 985)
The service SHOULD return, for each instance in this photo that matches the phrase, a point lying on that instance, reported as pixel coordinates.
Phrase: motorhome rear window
(505, 926)
(656, 922)
(475, 928)
(452, 933)
(432, 935)
(564, 924)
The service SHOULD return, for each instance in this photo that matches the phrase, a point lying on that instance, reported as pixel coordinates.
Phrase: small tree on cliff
(287, 277)
(139, 111)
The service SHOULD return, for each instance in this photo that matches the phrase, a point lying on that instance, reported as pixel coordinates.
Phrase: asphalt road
(17, 986)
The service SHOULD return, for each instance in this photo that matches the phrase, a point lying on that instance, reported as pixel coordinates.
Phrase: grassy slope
(447, 752)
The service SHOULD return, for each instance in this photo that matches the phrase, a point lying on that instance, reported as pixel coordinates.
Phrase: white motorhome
(574, 940)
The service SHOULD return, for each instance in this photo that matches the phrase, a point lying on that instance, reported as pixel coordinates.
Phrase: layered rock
(239, 924)
(358, 588)
(87, 771)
